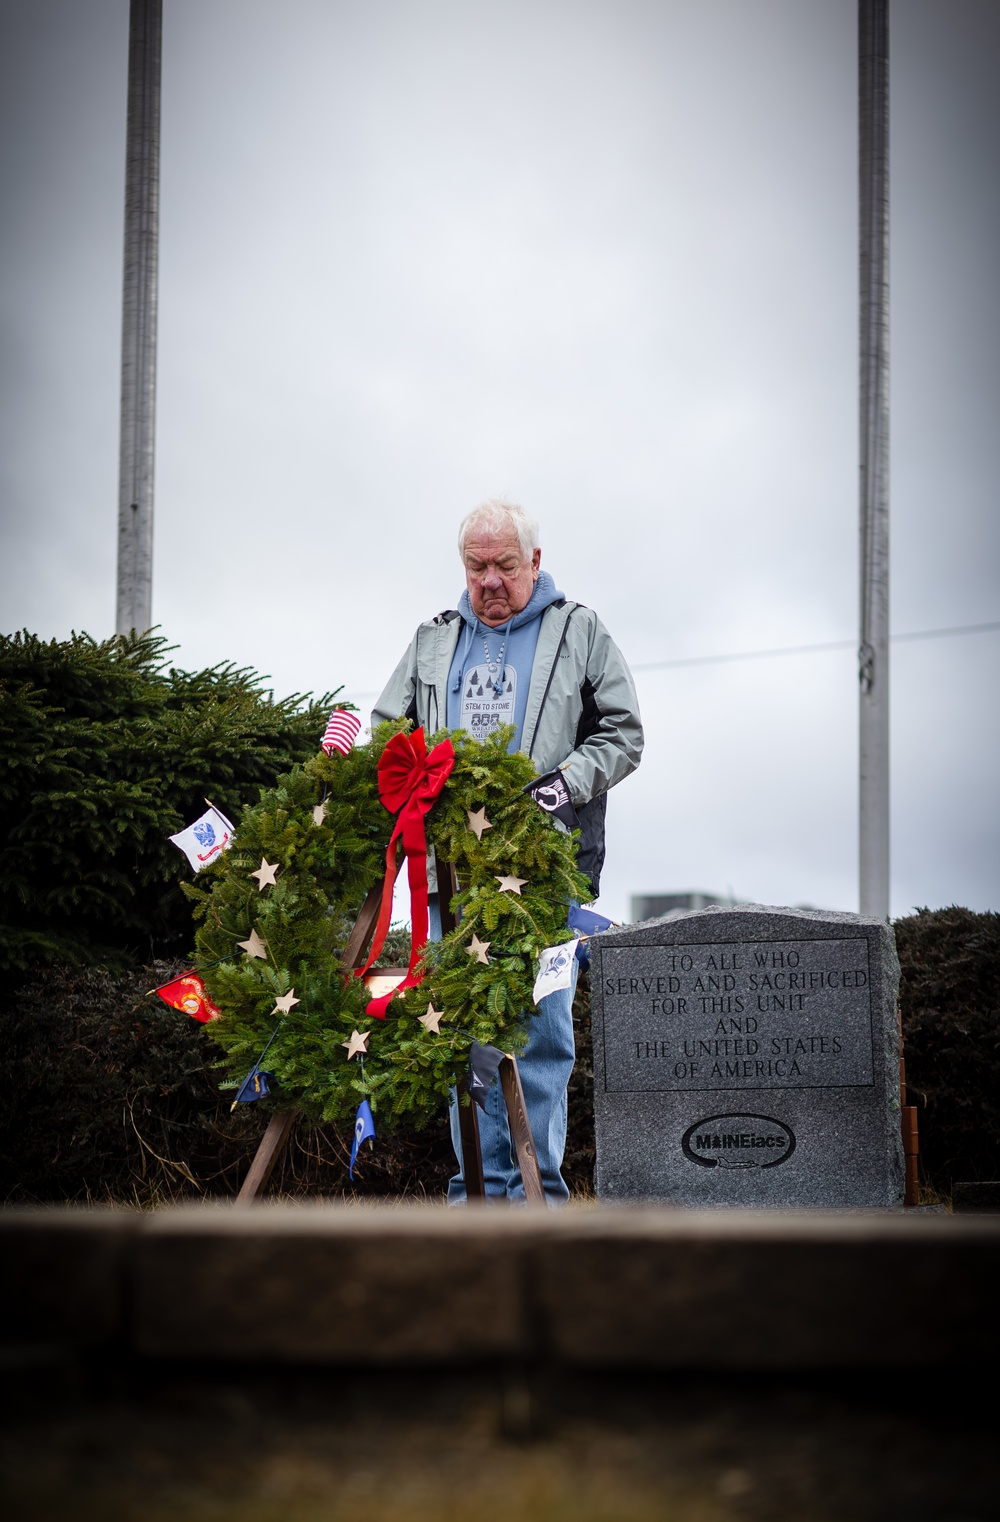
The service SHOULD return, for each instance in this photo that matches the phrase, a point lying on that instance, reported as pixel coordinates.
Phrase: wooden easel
(513, 1093)
(279, 1127)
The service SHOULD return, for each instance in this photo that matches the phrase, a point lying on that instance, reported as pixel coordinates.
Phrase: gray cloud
(600, 256)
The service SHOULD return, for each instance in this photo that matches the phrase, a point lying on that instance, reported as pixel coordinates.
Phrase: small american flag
(341, 731)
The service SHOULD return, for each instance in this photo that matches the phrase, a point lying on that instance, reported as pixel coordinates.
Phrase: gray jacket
(582, 714)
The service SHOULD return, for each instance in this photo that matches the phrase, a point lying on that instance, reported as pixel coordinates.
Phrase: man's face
(499, 576)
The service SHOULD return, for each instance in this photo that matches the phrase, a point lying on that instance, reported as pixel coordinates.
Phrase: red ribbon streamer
(408, 780)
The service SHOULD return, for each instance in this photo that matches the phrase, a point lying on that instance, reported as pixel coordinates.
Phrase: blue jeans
(545, 1066)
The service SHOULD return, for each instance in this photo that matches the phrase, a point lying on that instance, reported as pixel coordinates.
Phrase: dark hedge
(950, 1002)
(110, 1095)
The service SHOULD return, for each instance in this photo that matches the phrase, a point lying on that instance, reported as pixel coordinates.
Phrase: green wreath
(325, 831)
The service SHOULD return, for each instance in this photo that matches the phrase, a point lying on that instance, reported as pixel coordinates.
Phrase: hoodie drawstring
(460, 669)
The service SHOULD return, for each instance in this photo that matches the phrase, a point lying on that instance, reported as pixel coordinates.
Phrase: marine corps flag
(187, 993)
(551, 794)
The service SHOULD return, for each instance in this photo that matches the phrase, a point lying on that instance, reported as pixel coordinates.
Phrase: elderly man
(517, 652)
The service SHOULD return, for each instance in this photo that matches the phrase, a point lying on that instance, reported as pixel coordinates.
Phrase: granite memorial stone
(748, 1056)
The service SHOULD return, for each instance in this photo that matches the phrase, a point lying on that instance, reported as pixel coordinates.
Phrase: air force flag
(483, 1064)
(205, 840)
(586, 922)
(364, 1130)
(555, 969)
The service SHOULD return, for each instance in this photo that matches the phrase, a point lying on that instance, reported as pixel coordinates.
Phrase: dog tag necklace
(495, 667)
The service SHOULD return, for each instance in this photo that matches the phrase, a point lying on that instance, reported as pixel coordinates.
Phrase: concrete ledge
(62, 1275)
(397, 1286)
(325, 1285)
(768, 1293)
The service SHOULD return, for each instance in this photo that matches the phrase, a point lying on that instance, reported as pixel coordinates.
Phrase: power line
(756, 655)
(835, 644)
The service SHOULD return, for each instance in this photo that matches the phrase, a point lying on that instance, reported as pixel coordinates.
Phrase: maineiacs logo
(738, 1140)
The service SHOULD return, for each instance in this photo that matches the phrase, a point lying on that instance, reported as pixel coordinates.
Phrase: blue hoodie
(478, 699)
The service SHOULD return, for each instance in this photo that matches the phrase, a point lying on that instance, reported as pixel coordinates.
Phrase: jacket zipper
(434, 689)
(548, 684)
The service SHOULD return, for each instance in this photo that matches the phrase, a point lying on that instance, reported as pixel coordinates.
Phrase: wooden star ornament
(357, 1045)
(253, 945)
(478, 822)
(478, 949)
(284, 1004)
(511, 884)
(265, 874)
(432, 1020)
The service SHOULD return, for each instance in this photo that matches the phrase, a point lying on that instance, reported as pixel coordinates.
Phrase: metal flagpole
(138, 398)
(873, 652)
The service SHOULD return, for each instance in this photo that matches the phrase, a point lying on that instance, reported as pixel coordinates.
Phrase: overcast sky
(598, 255)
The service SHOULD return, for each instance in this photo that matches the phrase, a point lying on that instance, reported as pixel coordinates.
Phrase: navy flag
(364, 1130)
(256, 1085)
(483, 1064)
(551, 794)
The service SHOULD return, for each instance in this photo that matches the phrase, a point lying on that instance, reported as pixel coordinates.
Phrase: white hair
(498, 516)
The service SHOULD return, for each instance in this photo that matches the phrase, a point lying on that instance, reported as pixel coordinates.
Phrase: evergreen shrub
(105, 751)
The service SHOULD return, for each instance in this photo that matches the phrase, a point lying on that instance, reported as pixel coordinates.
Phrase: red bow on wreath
(408, 780)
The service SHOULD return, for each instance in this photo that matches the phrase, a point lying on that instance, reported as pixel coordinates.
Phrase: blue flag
(364, 1128)
(587, 922)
